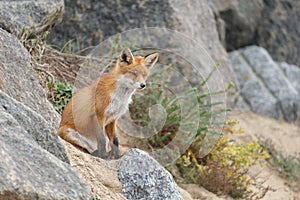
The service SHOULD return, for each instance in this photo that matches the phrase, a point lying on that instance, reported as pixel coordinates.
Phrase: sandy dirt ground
(286, 139)
(101, 175)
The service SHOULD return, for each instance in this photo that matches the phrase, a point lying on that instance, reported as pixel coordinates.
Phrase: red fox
(89, 119)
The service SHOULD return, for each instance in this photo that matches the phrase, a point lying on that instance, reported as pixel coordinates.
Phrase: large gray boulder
(292, 72)
(142, 177)
(28, 171)
(36, 15)
(279, 30)
(265, 87)
(34, 163)
(35, 126)
(255, 96)
(90, 22)
(20, 84)
(19, 79)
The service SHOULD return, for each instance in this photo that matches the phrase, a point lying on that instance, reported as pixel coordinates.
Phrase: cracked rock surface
(267, 87)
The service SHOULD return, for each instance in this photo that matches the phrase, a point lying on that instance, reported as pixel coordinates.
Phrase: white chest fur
(120, 99)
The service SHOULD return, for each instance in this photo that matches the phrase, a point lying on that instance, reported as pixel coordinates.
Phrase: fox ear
(151, 59)
(126, 56)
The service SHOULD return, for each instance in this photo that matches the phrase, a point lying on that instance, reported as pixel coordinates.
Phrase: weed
(289, 166)
(224, 169)
(60, 94)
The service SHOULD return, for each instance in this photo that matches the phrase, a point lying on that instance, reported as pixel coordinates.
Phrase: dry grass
(52, 64)
(49, 62)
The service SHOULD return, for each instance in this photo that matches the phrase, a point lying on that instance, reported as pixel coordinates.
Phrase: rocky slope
(37, 164)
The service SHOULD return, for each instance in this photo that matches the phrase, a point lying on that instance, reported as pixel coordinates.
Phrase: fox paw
(103, 155)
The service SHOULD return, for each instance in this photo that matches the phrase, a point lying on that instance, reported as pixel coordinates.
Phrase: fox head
(134, 70)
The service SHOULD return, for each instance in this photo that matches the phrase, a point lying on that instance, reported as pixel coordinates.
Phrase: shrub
(60, 94)
(224, 169)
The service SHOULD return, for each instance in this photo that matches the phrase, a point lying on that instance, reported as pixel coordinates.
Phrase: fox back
(89, 119)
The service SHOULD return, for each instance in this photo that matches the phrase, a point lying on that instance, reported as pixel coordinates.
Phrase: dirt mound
(100, 175)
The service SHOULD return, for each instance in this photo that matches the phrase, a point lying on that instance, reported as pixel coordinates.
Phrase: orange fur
(95, 109)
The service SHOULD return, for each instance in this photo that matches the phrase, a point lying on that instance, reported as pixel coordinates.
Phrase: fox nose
(142, 85)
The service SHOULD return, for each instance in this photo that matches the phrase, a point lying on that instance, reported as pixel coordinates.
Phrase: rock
(241, 20)
(142, 177)
(29, 172)
(20, 80)
(280, 87)
(279, 30)
(292, 72)
(35, 126)
(242, 104)
(89, 25)
(38, 15)
(254, 94)
(220, 23)
(272, 24)
(273, 97)
(1, 81)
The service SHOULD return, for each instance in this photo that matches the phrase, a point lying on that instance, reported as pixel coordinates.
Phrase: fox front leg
(110, 129)
(115, 152)
(101, 146)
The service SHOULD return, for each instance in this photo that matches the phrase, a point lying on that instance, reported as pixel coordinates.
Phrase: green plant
(289, 166)
(60, 94)
(158, 94)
